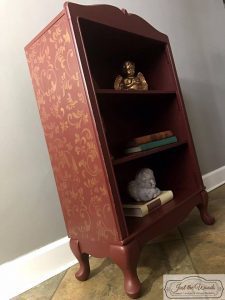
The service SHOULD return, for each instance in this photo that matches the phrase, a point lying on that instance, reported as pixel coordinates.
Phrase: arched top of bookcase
(118, 18)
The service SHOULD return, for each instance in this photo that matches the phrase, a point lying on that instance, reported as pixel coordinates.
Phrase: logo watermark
(194, 286)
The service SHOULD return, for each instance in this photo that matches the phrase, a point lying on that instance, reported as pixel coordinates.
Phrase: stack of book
(142, 208)
(151, 141)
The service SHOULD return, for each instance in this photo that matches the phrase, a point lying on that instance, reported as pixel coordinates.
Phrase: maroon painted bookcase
(73, 64)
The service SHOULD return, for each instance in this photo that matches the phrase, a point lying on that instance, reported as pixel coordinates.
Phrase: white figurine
(143, 188)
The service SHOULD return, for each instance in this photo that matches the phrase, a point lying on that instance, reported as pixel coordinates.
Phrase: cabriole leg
(203, 209)
(83, 273)
(126, 257)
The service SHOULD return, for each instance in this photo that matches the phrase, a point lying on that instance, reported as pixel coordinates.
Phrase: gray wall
(29, 208)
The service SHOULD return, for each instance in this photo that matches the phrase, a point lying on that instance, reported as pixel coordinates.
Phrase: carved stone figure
(130, 81)
(143, 188)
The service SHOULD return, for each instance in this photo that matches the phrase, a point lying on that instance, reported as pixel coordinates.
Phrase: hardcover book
(141, 208)
(151, 145)
(150, 138)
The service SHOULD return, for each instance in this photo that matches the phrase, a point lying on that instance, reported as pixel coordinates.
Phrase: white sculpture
(143, 188)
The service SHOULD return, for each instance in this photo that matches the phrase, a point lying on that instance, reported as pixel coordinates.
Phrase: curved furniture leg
(83, 273)
(126, 257)
(203, 209)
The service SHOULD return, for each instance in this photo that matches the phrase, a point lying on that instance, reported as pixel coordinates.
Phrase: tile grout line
(187, 249)
(58, 285)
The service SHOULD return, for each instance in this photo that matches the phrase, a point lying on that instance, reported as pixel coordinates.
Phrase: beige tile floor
(192, 248)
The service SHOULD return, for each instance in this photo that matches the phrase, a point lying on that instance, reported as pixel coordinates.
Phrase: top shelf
(132, 92)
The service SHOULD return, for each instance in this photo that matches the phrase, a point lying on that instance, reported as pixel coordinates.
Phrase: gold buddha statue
(130, 81)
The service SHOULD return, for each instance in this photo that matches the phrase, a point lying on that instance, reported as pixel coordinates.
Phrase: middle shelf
(133, 156)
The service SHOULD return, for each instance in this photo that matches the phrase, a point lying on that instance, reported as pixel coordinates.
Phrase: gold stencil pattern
(70, 137)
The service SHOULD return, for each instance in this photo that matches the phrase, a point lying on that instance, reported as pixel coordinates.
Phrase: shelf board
(134, 92)
(164, 215)
(133, 156)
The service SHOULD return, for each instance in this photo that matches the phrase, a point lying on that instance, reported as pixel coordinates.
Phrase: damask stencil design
(70, 137)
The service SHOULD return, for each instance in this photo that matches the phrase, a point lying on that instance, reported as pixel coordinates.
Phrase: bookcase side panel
(185, 127)
(70, 136)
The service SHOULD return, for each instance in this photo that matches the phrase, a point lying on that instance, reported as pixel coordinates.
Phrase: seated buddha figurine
(129, 81)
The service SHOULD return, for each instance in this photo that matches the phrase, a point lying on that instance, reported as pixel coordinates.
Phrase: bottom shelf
(164, 216)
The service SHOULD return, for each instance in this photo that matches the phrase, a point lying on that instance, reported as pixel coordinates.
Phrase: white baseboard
(35, 267)
(214, 179)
